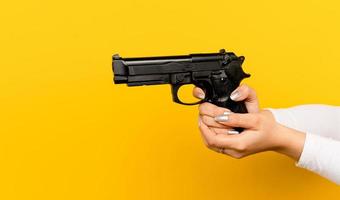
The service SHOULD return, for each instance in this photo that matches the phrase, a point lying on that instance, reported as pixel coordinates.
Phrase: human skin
(261, 131)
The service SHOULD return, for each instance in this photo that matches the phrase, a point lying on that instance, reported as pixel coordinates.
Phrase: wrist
(290, 142)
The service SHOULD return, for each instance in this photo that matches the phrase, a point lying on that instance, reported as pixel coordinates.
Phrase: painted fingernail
(233, 132)
(226, 113)
(234, 95)
(221, 118)
(201, 96)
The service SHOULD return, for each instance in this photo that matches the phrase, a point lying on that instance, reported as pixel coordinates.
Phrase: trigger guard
(174, 90)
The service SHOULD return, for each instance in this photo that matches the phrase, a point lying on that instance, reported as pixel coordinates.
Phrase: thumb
(248, 95)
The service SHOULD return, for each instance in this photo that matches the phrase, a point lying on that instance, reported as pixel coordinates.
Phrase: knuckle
(237, 155)
(211, 143)
(241, 147)
(217, 111)
(246, 89)
(233, 119)
(203, 107)
(205, 119)
(244, 85)
(251, 92)
(257, 120)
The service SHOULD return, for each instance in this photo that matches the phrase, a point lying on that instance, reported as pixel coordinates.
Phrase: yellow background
(68, 133)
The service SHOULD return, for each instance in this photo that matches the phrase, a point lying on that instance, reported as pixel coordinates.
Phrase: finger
(206, 133)
(229, 152)
(232, 153)
(246, 94)
(245, 120)
(217, 140)
(228, 131)
(198, 93)
(211, 109)
(211, 123)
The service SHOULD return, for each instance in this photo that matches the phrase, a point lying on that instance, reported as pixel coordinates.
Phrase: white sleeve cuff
(308, 159)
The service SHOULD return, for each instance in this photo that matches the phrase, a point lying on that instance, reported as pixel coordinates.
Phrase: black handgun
(217, 74)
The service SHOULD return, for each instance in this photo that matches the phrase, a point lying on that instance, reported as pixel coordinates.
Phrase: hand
(242, 93)
(262, 132)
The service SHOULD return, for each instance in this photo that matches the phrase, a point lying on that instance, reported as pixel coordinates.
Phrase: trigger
(174, 91)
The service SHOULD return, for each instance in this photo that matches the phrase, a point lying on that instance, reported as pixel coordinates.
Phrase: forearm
(290, 142)
(317, 126)
(313, 152)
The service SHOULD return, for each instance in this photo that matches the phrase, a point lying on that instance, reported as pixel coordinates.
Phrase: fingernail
(233, 132)
(221, 118)
(226, 113)
(234, 95)
(201, 96)
(199, 121)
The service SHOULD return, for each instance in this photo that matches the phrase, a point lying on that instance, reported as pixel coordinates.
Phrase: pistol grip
(223, 87)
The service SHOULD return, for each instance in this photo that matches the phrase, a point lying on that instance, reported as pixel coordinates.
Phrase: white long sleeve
(321, 123)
